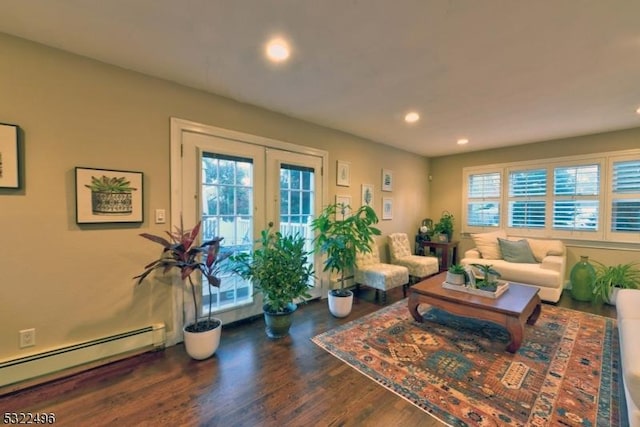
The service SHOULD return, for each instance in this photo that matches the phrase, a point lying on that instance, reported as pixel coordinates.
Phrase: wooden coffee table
(519, 304)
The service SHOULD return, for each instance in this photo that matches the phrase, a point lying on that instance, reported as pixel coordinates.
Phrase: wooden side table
(448, 252)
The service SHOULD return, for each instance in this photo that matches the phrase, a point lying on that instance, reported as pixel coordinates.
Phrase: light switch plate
(160, 216)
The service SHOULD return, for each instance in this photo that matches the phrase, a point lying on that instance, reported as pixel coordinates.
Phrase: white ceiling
(498, 72)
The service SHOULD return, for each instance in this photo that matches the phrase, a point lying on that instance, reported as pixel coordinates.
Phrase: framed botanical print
(343, 177)
(344, 202)
(367, 195)
(387, 180)
(387, 208)
(104, 195)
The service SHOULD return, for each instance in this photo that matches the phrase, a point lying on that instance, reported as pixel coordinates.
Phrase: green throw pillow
(516, 251)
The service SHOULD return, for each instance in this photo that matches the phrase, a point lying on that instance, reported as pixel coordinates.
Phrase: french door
(236, 187)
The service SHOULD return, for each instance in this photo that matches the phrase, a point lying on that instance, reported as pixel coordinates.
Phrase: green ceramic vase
(582, 276)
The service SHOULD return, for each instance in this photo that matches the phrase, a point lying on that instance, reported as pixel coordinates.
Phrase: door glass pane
(227, 207)
(296, 202)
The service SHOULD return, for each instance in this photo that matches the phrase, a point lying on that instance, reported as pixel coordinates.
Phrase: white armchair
(380, 276)
(400, 254)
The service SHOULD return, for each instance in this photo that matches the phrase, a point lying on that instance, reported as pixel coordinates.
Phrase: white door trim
(178, 127)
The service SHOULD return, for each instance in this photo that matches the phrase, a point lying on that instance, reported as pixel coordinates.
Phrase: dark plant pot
(279, 323)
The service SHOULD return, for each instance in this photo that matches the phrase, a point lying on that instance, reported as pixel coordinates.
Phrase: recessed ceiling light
(638, 110)
(411, 117)
(277, 50)
(463, 141)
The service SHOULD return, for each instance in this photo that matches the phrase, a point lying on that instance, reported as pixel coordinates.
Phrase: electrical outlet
(27, 338)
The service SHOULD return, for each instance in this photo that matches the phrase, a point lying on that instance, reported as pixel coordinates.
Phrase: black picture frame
(9, 156)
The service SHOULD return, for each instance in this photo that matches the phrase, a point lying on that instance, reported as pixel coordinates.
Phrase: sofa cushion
(516, 251)
(541, 248)
(487, 243)
(627, 304)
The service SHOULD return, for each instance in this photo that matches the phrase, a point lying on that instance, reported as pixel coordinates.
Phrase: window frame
(605, 197)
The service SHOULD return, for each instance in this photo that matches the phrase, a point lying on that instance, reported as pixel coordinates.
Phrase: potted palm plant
(340, 237)
(611, 278)
(456, 275)
(181, 252)
(279, 269)
(489, 279)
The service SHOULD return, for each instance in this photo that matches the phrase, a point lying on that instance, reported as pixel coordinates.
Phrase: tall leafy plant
(341, 236)
(181, 252)
(278, 268)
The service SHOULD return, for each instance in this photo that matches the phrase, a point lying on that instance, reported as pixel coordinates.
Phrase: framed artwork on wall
(104, 195)
(387, 208)
(343, 176)
(387, 180)
(9, 163)
(345, 202)
(367, 195)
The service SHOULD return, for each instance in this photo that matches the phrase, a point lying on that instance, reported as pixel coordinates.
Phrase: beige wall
(446, 186)
(73, 283)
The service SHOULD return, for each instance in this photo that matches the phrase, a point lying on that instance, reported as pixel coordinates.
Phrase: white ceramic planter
(613, 296)
(340, 306)
(455, 279)
(202, 345)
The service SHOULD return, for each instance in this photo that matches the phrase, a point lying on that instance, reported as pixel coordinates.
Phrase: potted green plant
(488, 280)
(444, 226)
(279, 268)
(456, 275)
(611, 278)
(182, 252)
(340, 236)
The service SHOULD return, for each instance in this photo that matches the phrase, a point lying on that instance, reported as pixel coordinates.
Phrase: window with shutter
(483, 199)
(576, 204)
(625, 203)
(527, 198)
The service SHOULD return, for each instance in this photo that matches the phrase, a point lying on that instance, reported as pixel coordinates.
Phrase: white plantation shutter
(483, 199)
(527, 198)
(576, 204)
(625, 204)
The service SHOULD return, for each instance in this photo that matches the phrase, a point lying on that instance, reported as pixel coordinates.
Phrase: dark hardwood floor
(250, 381)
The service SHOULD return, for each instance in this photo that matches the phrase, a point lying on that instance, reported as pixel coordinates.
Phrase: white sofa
(627, 306)
(536, 262)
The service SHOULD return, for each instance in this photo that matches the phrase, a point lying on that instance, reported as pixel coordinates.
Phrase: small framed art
(367, 195)
(343, 176)
(104, 195)
(9, 169)
(387, 208)
(387, 180)
(345, 203)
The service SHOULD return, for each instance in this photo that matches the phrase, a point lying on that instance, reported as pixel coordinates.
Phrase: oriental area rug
(566, 373)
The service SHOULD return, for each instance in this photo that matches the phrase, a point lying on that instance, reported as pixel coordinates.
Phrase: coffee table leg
(414, 301)
(516, 330)
(536, 313)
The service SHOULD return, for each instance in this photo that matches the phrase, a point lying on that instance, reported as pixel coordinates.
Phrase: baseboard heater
(26, 371)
